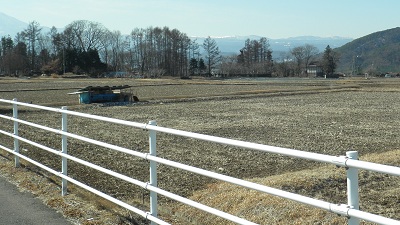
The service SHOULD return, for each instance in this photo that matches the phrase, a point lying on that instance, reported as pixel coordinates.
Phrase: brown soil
(324, 116)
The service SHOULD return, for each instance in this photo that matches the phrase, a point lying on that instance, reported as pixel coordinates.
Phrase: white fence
(350, 162)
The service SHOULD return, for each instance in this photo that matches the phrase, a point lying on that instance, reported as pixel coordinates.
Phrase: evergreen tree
(7, 45)
(202, 65)
(329, 61)
(193, 66)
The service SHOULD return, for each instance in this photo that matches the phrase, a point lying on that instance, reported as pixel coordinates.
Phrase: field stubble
(324, 116)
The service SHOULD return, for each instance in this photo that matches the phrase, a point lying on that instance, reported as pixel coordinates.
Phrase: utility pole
(63, 61)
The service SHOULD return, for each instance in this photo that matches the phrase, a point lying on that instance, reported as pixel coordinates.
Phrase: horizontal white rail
(86, 187)
(144, 185)
(374, 167)
(336, 160)
(342, 209)
(84, 115)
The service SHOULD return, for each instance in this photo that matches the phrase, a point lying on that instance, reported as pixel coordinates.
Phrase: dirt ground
(315, 115)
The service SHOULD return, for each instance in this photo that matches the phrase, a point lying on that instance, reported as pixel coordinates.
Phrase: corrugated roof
(93, 88)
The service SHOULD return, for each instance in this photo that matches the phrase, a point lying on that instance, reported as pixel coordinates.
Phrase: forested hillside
(377, 53)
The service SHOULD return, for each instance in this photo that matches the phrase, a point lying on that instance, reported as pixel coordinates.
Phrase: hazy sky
(271, 19)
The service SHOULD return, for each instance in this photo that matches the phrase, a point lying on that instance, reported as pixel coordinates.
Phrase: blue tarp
(87, 98)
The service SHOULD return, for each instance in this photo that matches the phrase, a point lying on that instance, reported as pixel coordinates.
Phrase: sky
(216, 18)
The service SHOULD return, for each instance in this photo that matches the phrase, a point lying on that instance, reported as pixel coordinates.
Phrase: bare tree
(303, 55)
(156, 51)
(85, 35)
(230, 66)
(310, 51)
(299, 55)
(212, 53)
(285, 67)
(105, 49)
(137, 36)
(118, 46)
(32, 36)
(256, 57)
(194, 51)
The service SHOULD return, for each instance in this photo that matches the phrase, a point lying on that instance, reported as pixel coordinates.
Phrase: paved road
(23, 208)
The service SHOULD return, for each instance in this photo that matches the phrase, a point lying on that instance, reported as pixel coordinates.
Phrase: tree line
(86, 47)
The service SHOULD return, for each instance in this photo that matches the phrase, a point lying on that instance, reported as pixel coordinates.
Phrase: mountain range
(227, 45)
(233, 44)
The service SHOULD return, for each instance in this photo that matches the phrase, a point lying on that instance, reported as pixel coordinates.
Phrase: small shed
(314, 70)
(101, 94)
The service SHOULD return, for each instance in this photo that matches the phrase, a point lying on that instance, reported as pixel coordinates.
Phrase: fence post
(16, 143)
(153, 171)
(352, 187)
(64, 167)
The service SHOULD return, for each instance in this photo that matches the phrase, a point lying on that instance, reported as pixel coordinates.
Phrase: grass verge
(79, 206)
(379, 194)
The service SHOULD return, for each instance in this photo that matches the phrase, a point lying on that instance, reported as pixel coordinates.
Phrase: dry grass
(267, 209)
(79, 206)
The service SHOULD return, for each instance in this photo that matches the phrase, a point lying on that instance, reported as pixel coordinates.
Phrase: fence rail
(350, 162)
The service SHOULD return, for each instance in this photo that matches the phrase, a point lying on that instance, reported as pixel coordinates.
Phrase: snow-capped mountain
(233, 44)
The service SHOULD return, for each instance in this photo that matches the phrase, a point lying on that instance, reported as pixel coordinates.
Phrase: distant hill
(10, 26)
(375, 53)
